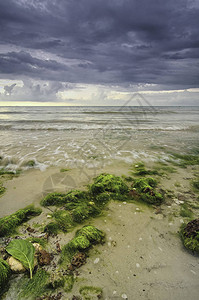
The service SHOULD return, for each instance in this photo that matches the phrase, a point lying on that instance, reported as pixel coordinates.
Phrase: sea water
(94, 136)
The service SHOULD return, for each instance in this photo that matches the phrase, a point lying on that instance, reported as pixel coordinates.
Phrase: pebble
(117, 272)
(160, 248)
(181, 221)
(124, 202)
(114, 292)
(193, 272)
(96, 260)
(108, 229)
(137, 208)
(124, 296)
(109, 244)
(137, 265)
(140, 239)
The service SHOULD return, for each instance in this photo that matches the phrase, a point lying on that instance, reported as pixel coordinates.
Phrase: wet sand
(143, 257)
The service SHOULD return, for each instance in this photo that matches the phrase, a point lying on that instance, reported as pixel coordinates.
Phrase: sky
(99, 52)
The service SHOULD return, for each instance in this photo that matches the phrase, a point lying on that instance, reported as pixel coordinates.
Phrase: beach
(143, 256)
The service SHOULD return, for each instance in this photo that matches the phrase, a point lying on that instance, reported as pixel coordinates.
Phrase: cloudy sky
(99, 52)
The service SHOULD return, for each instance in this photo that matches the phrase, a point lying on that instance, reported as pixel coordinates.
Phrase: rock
(15, 265)
(38, 247)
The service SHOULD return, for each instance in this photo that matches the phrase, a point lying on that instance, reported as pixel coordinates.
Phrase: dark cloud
(103, 41)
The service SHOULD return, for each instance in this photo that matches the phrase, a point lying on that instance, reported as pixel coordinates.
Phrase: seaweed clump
(5, 273)
(9, 223)
(106, 187)
(144, 189)
(83, 240)
(190, 235)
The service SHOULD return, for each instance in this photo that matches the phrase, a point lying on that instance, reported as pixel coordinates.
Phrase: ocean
(69, 137)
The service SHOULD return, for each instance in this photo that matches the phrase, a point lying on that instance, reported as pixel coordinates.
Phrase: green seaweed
(144, 189)
(63, 219)
(69, 282)
(60, 199)
(2, 190)
(64, 170)
(52, 228)
(31, 163)
(185, 211)
(184, 160)
(9, 223)
(108, 183)
(189, 234)
(195, 184)
(5, 273)
(53, 199)
(88, 292)
(6, 172)
(84, 239)
(140, 170)
(35, 287)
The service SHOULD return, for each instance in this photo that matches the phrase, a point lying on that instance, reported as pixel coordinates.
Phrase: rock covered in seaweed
(9, 223)
(144, 189)
(83, 240)
(190, 235)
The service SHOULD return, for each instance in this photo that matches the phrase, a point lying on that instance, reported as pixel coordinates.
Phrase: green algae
(88, 292)
(2, 190)
(64, 170)
(53, 199)
(184, 160)
(189, 234)
(63, 219)
(5, 273)
(52, 228)
(35, 287)
(9, 223)
(83, 240)
(31, 163)
(68, 283)
(185, 211)
(144, 189)
(195, 184)
(60, 199)
(140, 170)
(108, 184)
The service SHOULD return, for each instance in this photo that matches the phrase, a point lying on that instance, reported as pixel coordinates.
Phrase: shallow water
(94, 136)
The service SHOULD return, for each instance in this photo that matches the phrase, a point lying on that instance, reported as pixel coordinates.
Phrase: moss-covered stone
(144, 189)
(5, 273)
(60, 199)
(108, 184)
(190, 235)
(9, 223)
(84, 238)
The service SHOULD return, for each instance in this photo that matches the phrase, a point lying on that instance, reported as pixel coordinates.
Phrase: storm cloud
(108, 42)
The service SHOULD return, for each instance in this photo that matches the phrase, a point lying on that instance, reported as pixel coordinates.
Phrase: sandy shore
(143, 257)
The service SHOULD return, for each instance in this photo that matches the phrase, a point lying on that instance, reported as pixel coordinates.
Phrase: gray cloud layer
(118, 42)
